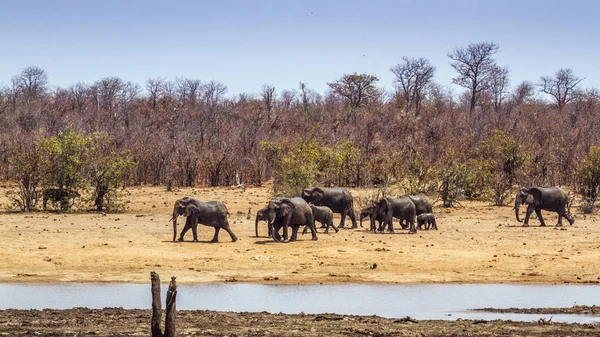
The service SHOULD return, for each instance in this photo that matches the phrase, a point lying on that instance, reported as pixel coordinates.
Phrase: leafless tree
(356, 89)
(561, 87)
(268, 95)
(474, 65)
(413, 76)
(499, 85)
(31, 82)
(154, 87)
(522, 93)
(188, 91)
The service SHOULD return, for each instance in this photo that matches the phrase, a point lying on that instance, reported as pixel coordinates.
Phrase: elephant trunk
(362, 216)
(518, 202)
(175, 215)
(256, 225)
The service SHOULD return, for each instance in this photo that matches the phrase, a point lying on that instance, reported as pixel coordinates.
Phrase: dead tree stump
(157, 307)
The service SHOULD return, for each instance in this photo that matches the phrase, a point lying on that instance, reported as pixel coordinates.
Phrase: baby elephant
(324, 215)
(428, 219)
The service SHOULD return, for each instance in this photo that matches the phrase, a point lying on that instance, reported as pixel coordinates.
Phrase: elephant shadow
(265, 242)
(190, 242)
(398, 232)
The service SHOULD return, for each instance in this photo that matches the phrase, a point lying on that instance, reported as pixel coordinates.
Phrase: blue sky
(245, 44)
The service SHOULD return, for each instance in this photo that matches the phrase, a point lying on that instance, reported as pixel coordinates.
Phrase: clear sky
(245, 44)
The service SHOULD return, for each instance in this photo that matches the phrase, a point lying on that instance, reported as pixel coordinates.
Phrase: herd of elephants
(319, 204)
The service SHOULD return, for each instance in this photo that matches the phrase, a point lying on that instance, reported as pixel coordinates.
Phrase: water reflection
(431, 301)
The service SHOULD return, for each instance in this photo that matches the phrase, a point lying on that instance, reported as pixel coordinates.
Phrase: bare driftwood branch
(171, 309)
(170, 330)
(156, 305)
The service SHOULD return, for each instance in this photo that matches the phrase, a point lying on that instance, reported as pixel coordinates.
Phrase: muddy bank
(119, 322)
(576, 309)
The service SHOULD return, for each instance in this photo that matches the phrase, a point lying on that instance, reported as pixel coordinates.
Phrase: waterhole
(430, 301)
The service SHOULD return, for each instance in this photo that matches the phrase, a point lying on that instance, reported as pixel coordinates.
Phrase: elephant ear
(534, 195)
(318, 194)
(284, 207)
(384, 204)
(288, 203)
(530, 199)
(179, 207)
(190, 209)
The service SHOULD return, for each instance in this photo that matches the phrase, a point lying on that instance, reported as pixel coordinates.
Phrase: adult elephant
(422, 205)
(543, 198)
(401, 208)
(210, 213)
(339, 200)
(294, 212)
(265, 214)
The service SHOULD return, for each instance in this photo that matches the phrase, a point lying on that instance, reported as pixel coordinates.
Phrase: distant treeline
(422, 136)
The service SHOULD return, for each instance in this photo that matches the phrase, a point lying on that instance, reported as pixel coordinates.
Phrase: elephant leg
(403, 224)
(185, 228)
(343, 214)
(195, 231)
(352, 217)
(270, 226)
(313, 229)
(326, 227)
(538, 212)
(230, 232)
(530, 210)
(295, 229)
(412, 227)
(390, 224)
(276, 236)
(286, 238)
(306, 229)
(216, 236)
(332, 226)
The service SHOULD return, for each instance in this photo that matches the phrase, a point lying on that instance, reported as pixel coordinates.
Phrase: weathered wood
(171, 309)
(156, 306)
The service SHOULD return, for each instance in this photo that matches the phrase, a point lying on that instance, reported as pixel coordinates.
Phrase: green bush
(501, 157)
(107, 170)
(589, 178)
(309, 163)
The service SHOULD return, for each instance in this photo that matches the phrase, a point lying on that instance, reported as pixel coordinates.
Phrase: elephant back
(403, 207)
(422, 204)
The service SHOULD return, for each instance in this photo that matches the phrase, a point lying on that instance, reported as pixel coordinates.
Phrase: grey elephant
(210, 213)
(369, 212)
(422, 205)
(401, 208)
(427, 219)
(543, 198)
(265, 214)
(339, 200)
(294, 212)
(324, 215)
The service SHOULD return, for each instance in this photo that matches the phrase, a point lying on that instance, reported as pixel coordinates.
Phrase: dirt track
(475, 243)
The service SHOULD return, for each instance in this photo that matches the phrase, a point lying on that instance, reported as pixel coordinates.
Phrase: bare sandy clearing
(476, 243)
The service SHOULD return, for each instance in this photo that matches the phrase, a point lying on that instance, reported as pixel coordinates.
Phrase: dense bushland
(423, 137)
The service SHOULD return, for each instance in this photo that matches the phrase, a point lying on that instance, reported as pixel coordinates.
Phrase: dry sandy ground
(475, 243)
